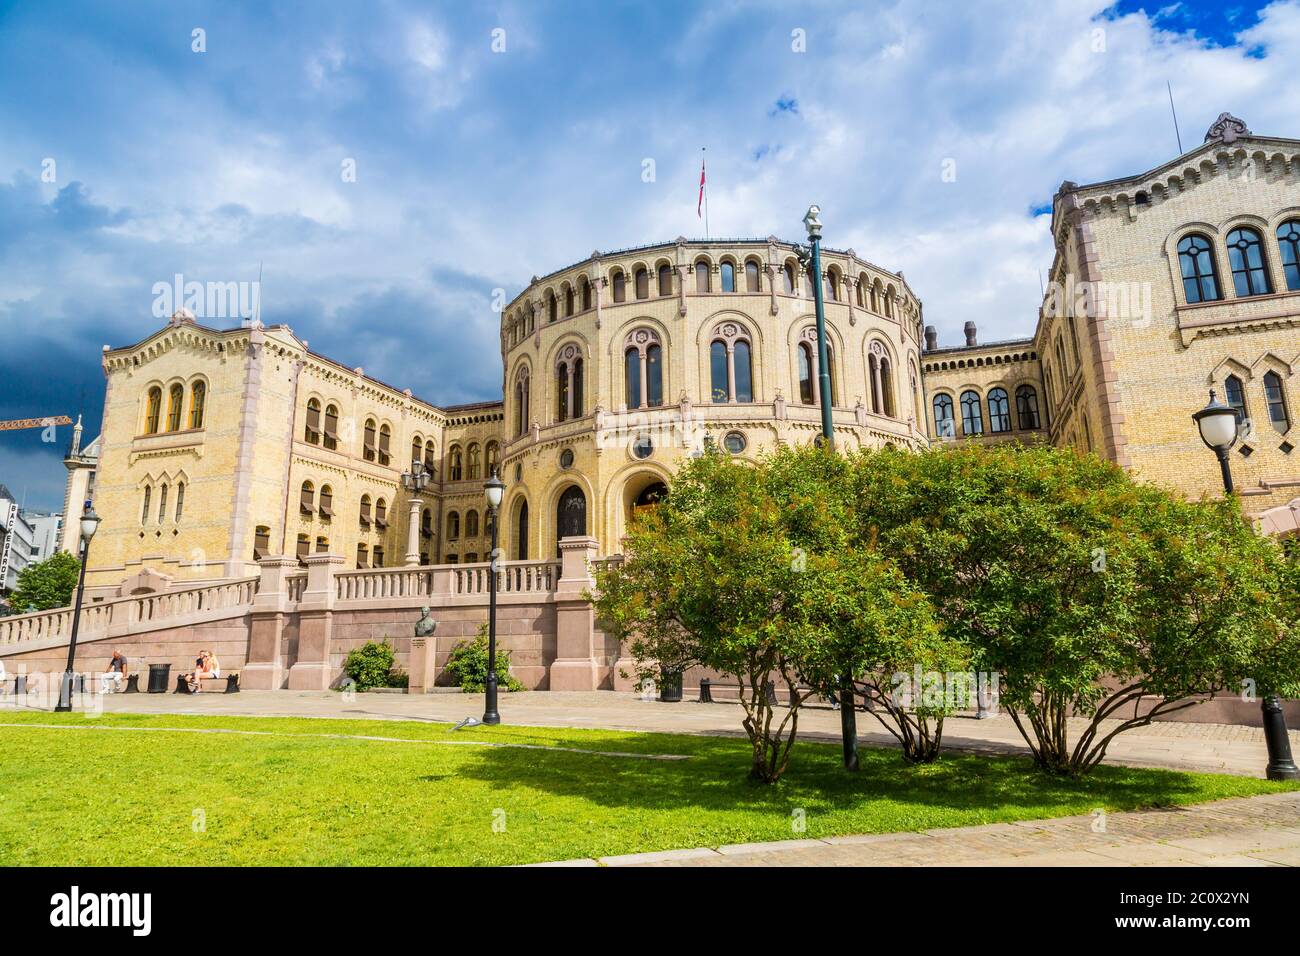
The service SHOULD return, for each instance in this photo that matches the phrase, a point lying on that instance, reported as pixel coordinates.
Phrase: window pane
(744, 378)
(999, 411)
(701, 277)
(632, 363)
(642, 284)
(751, 276)
(1288, 238)
(654, 368)
(805, 374)
(718, 372)
(972, 418)
(728, 277)
(943, 422)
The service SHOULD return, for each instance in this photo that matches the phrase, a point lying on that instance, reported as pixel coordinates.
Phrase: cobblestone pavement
(1249, 831)
(1216, 748)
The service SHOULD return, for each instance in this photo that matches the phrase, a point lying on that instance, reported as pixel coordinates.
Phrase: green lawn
(86, 794)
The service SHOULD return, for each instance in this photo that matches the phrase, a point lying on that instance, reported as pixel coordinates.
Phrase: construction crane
(16, 423)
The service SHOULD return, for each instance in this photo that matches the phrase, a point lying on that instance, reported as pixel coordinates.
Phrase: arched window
(665, 280)
(1276, 399)
(471, 523)
(153, 409)
(886, 386)
(521, 532)
(702, 276)
(568, 300)
(307, 498)
(744, 373)
(862, 281)
(144, 511)
(381, 515)
(162, 502)
(561, 392)
(718, 384)
(416, 447)
(429, 456)
(456, 465)
(331, 426)
(1288, 240)
(751, 276)
(475, 462)
(570, 515)
(787, 273)
(326, 502)
(261, 542)
(972, 418)
(577, 388)
(806, 373)
(728, 277)
(490, 458)
(312, 432)
(1195, 259)
(1246, 257)
(303, 548)
(552, 310)
(322, 544)
(522, 399)
(378, 558)
(1235, 395)
(198, 401)
(385, 440)
(808, 291)
(453, 525)
(568, 384)
(368, 449)
(1027, 406)
(943, 421)
(642, 283)
(363, 557)
(643, 373)
(426, 523)
(175, 400)
(586, 293)
(873, 374)
(889, 302)
(875, 297)
(832, 286)
(731, 373)
(620, 286)
(999, 411)
(364, 515)
(180, 500)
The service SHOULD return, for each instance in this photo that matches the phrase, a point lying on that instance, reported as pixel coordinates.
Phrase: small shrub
(370, 665)
(468, 665)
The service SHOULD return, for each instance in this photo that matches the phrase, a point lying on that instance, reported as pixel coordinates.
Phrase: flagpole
(706, 193)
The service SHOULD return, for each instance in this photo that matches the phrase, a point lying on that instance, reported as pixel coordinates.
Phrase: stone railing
(513, 577)
(129, 614)
(295, 585)
(380, 583)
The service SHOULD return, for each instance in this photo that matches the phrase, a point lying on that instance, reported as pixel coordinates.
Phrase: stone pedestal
(264, 668)
(575, 666)
(312, 669)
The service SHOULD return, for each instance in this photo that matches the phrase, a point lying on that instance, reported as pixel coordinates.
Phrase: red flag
(700, 204)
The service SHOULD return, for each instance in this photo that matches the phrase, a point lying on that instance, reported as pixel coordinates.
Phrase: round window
(643, 447)
(734, 442)
(566, 458)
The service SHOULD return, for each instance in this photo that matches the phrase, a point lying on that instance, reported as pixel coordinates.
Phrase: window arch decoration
(972, 417)
(1248, 263)
(807, 353)
(474, 458)
(523, 394)
(312, 433)
(703, 279)
(175, 405)
(999, 410)
(944, 425)
(643, 369)
(731, 367)
(198, 403)
(568, 383)
(665, 274)
(1027, 407)
(1288, 242)
(153, 410)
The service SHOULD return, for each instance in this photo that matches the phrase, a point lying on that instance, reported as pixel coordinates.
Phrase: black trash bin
(158, 676)
(670, 686)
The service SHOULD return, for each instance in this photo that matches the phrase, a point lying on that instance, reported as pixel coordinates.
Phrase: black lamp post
(493, 490)
(1218, 424)
(813, 262)
(89, 524)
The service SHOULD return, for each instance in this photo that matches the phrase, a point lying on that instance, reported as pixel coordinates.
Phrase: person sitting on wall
(205, 666)
(115, 677)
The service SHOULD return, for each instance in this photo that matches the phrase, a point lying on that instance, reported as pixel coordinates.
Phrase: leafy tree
(1090, 594)
(46, 584)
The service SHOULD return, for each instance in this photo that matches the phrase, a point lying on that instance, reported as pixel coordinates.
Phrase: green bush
(371, 665)
(468, 665)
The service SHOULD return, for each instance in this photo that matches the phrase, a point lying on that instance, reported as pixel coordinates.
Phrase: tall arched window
(1196, 261)
(198, 401)
(972, 418)
(568, 300)
(561, 392)
(1288, 240)
(369, 451)
(471, 523)
(429, 456)
(875, 296)
(162, 503)
(417, 446)
(643, 372)
(326, 502)
(1027, 406)
(521, 532)
(153, 410)
(307, 498)
(363, 516)
(568, 384)
(522, 399)
(1275, 396)
(552, 309)
(453, 525)
(665, 283)
(943, 421)
(311, 434)
(862, 281)
(787, 274)
(144, 510)
(886, 386)
(475, 462)
(456, 465)
(873, 376)
(806, 373)
(702, 276)
(999, 410)
(620, 286)
(577, 388)
(642, 283)
(751, 276)
(586, 293)
(570, 515)
(180, 500)
(808, 291)
(1235, 395)
(731, 372)
(832, 281)
(728, 277)
(385, 441)
(743, 377)
(719, 387)
(490, 457)
(381, 515)
(175, 401)
(331, 435)
(1246, 257)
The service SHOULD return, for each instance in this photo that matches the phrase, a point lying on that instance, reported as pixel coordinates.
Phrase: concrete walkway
(1249, 831)
(1215, 748)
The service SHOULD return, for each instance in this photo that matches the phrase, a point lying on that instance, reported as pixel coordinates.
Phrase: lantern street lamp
(89, 524)
(418, 478)
(494, 490)
(415, 481)
(811, 258)
(1218, 424)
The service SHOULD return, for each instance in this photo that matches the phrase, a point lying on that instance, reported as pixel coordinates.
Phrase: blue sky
(477, 169)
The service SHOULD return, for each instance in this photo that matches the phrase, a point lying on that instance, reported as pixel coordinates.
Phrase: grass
(314, 791)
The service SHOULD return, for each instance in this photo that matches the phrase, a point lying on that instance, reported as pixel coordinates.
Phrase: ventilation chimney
(970, 333)
(931, 338)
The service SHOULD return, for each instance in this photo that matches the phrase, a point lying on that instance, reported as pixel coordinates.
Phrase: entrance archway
(648, 497)
(570, 515)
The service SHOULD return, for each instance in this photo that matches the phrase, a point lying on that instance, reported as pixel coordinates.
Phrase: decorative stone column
(413, 534)
(311, 671)
(264, 667)
(575, 666)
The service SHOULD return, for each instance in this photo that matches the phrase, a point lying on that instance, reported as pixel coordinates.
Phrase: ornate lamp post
(1218, 425)
(494, 490)
(415, 481)
(89, 524)
(811, 257)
